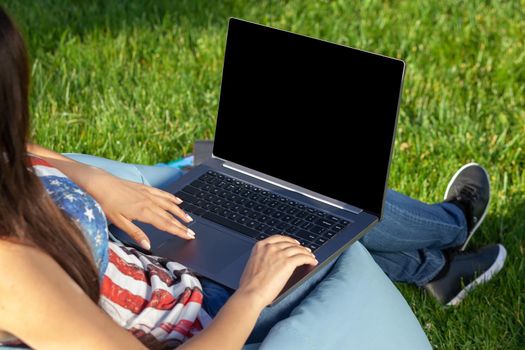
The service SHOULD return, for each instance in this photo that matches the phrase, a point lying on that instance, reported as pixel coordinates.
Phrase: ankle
(465, 209)
(447, 254)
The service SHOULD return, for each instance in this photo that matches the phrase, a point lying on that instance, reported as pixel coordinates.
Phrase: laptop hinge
(339, 205)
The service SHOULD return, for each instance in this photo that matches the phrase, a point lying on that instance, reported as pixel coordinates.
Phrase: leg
(409, 224)
(409, 241)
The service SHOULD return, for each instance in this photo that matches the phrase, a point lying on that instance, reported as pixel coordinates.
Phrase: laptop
(302, 147)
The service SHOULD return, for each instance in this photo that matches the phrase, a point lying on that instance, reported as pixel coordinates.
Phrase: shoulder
(18, 260)
(22, 267)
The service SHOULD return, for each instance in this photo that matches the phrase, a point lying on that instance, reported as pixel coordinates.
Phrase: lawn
(139, 81)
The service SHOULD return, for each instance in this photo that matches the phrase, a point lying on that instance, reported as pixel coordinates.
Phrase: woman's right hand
(272, 262)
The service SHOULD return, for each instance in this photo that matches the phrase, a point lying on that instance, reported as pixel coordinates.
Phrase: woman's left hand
(124, 201)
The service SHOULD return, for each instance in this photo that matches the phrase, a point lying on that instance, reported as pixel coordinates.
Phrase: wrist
(251, 297)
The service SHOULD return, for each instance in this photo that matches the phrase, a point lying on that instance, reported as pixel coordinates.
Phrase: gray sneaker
(464, 271)
(469, 189)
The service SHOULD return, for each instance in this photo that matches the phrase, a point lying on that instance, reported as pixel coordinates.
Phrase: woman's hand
(124, 201)
(271, 263)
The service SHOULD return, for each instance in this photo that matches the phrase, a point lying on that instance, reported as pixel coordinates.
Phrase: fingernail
(308, 249)
(180, 200)
(145, 244)
(191, 233)
(189, 218)
(297, 241)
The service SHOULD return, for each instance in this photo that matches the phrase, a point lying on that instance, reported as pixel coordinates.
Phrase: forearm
(231, 327)
(79, 173)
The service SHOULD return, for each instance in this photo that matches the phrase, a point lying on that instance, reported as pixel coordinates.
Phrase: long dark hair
(27, 214)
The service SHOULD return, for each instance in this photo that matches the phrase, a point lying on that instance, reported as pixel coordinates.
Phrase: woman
(56, 259)
(44, 246)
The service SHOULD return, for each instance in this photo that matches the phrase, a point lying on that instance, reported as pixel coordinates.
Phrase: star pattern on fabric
(86, 213)
(89, 214)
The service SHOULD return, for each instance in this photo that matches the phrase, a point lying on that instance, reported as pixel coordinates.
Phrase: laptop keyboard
(256, 212)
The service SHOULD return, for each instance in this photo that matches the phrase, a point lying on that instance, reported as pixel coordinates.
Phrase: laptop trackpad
(211, 250)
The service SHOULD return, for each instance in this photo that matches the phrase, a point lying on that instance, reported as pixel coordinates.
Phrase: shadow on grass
(50, 20)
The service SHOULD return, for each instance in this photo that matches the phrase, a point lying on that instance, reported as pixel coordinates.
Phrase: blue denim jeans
(408, 242)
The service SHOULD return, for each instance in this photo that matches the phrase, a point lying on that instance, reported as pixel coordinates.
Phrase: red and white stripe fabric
(152, 296)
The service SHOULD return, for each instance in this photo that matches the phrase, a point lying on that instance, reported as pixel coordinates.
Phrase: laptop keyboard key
(262, 236)
(324, 222)
(306, 235)
(233, 216)
(317, 229)
(242, 220)
(271, 231)
(313, 246)
(286, 218)
(301, 214)
(329, 234)
(251, 223)
(281, 226)
(307, 225)
(321, 240)
(337, 227)
(311, 218)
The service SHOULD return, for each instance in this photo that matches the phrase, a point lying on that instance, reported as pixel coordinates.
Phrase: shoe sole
(496, 266)
(476, 226)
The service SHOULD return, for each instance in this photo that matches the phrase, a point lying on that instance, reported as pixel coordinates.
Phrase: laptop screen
(319, 115)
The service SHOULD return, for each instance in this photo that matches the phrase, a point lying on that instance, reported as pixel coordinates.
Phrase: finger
(167, 217)
(294, 249)
(164, 194)
(172, 208)
(285, 245)
(132, 230)
(278, 238)
(301, 259)
(165, 222)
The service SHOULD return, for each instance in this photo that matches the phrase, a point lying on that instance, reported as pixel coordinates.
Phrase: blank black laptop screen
(319, 115)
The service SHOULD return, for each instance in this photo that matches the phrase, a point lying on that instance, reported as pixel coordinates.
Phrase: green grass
(140, 82)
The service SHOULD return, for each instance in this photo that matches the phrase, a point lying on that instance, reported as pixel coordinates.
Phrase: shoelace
(468, 192)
